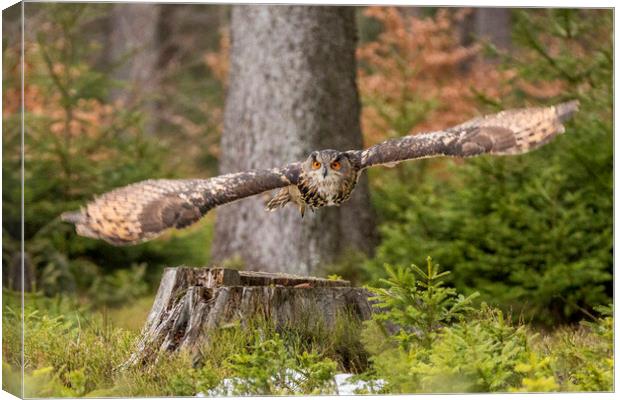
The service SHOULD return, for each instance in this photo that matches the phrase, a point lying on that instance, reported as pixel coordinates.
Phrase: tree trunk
(133, 43)
(191, 302)
(292, 90)
(486, 24)
(12, 275)
(493, 24)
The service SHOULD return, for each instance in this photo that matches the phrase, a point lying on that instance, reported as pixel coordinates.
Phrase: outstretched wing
(142, 211)
(508, 132)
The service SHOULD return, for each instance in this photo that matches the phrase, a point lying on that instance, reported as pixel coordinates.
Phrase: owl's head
(327, 164)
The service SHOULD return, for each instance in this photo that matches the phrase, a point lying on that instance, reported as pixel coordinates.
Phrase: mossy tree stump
(191, 302)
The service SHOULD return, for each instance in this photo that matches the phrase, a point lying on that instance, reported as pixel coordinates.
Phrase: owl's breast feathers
(327, 192)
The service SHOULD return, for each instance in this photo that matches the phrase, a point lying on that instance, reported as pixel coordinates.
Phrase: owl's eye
(336, 165)
(316, 165)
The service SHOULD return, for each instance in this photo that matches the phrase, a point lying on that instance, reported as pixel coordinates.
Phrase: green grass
(442, 343)
(73, 350)
(131, 317)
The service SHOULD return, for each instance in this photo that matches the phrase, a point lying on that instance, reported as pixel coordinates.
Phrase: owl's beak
(324, 172)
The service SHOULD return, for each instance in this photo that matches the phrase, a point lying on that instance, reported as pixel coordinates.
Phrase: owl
(143, 210)
(327, 178)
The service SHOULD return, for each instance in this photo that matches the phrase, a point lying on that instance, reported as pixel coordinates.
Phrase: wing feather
(143, 210)
(506, 133)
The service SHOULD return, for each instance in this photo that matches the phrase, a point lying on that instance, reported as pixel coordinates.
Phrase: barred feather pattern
(142, 211)
(284, 196)
(320, 193)
(506, 133)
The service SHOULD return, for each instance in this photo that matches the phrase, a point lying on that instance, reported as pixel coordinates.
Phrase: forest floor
(73, 350)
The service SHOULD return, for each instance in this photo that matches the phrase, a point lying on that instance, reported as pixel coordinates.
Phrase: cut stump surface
(191, 302)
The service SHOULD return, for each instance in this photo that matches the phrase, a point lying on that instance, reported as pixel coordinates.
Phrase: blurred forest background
(117, 93)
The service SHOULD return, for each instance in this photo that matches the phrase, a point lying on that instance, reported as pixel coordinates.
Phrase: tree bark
(487, 24)
(12, 275)
(133, 43)
(493, 24)
(292, 90)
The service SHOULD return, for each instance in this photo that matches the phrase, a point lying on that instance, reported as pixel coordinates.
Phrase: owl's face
(328, 177)
(327, 165)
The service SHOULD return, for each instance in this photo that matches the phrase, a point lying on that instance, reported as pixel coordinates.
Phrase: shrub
(119, 287)
(582, 358)
(268, 368)
(477, 355)
(480, 352)
(419, 307)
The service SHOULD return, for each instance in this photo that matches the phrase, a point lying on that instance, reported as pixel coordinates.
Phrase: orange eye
(336, 165)
(316, 165)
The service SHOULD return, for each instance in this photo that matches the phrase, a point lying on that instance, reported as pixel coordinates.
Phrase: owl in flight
(143, 210)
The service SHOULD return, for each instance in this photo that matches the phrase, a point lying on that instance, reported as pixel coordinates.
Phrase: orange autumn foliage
(87, 116)
(33, 95)
(415, 66)
(411, 78)
(48, 115)
(218, 61)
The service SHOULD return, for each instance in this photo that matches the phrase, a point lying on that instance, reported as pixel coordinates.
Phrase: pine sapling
(418, 303)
